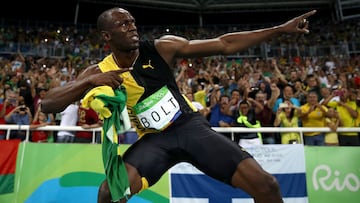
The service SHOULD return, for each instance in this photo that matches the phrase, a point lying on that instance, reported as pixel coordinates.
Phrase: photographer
(9, 104)
(20, 115)
(287, 116)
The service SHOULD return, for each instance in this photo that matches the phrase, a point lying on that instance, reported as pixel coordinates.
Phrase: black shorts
(191, 140)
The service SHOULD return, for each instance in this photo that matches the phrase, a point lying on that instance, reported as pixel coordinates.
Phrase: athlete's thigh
(211, 152)
(151, 155)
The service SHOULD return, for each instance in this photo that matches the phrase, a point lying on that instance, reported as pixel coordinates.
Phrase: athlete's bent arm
(75, 90)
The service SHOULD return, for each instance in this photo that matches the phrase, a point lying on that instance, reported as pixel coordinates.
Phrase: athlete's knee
(104, 195)
(136, 183)
(268, 186)
(267, 190)
(253, 179)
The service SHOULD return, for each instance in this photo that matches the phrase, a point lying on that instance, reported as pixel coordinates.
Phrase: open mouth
(135, 37)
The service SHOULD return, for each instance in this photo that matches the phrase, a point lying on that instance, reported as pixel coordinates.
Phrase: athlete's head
(118, 29)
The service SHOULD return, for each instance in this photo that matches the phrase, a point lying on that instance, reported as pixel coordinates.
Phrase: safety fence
(231, 130)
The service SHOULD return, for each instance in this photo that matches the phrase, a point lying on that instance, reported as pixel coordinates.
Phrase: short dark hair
(244, 102)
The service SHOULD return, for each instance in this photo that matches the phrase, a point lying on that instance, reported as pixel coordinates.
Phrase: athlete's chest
(148, 76)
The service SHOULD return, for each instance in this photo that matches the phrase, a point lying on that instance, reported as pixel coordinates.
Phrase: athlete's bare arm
(58, 98)
(170, 46)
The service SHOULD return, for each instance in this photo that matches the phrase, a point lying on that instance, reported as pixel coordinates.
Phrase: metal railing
(300, 130)
(231, 130)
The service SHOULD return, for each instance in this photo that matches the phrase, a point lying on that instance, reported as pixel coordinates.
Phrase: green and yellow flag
(111, 107)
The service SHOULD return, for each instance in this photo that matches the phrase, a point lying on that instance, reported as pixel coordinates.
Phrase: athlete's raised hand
(298, 24)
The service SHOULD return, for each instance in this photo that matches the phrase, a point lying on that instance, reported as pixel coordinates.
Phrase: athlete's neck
(125, 61)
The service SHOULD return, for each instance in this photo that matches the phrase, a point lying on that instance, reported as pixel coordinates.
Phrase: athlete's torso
(150, 73)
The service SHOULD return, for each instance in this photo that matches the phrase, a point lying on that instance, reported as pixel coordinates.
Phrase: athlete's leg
(208, 150)
(262, 186)
(146, 161)
(104, 195)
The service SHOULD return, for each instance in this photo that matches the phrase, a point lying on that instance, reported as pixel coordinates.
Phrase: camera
(12, 101)
(23, 108)
(283, 105)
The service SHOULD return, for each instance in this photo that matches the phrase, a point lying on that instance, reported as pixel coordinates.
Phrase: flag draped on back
(111, 107)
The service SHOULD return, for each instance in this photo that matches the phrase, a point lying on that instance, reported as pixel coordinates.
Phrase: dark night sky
(64, 11)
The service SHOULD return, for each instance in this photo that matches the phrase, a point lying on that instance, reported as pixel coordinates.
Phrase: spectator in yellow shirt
(313, 114)
(347, 109)
(286, 116)
(333, 122)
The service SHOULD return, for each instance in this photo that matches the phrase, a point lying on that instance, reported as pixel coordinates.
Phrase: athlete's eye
(125, 26)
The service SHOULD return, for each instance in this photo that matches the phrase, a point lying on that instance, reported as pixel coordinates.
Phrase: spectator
(286, 116)
(69, 117)
(9, 104)
(220, 116)
(200, 94)
(333, 81)
(333, 122)
(276, 73)
(245, 117)
(219, 111)
(293, 78)
(41, 92)
(264, 87)
(20, 115)
(322, 77)
(87, 119)
(26, 92)
(328, 95)
(182, 77)
(299, 92)
(313, 85)
(235, 99)
(347, 109)
(287, 94)
(11, 81)
(264, 114)
(313, 114)
(40, 120)
(18, 63)
(203, 110)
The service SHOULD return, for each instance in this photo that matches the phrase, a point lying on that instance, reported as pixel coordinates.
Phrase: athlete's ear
(105, 35)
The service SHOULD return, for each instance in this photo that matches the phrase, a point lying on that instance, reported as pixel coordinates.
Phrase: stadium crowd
(252, 92)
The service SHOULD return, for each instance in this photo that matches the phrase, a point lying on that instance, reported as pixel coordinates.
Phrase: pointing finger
(310, 13)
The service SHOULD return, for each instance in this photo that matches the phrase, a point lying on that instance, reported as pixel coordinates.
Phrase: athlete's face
(123, 31)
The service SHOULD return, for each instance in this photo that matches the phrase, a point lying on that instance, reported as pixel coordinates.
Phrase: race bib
(159, 110)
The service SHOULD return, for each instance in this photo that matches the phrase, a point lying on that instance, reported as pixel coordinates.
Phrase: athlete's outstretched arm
(170, 46)
(58, 98)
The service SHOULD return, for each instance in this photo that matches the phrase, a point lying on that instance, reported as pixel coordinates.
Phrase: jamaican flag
(111, 106)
